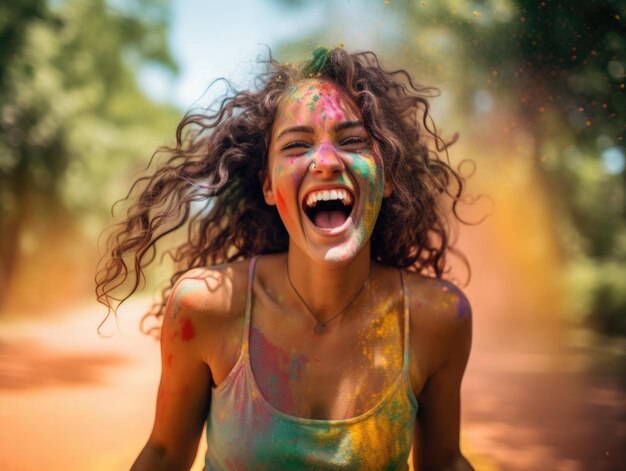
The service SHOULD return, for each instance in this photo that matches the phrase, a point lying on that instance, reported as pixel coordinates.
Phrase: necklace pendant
(320, 329)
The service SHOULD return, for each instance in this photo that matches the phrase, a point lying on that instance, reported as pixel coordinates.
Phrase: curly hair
(219, 155)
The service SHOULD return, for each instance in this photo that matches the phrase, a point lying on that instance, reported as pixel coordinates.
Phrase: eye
(354, 142)
(296, 145)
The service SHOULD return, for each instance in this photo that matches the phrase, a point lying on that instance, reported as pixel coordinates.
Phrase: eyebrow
(348, 125)
(309, 129)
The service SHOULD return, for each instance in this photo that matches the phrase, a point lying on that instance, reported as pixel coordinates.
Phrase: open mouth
(328, 209)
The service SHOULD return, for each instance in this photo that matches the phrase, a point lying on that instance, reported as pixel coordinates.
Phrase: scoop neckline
(293, 418)
(244, 357)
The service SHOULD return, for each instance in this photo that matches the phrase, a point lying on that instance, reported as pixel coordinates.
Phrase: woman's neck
(327, 288)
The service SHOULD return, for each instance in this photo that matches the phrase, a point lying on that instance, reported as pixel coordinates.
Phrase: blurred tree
(71, 114)
(570, 59)
(562, 66)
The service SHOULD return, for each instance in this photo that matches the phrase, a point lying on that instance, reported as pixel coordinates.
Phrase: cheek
(287, 177)
(281, 206)
(280, 203)
(369, 169)
(289, 173)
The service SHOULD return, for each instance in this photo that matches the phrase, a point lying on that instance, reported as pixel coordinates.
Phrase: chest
(339, 374)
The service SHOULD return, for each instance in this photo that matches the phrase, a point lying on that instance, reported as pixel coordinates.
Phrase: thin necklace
(320, 327)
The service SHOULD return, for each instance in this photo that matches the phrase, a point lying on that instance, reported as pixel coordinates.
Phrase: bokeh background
(90, 88)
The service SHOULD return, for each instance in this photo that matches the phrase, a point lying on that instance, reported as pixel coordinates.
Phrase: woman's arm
(448, 323)
(184, 390)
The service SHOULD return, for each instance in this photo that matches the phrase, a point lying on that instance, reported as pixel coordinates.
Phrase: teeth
(327, 195)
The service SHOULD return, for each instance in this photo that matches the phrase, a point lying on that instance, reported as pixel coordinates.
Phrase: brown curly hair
(219, 155)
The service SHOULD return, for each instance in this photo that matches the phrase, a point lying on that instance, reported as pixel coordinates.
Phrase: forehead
(316, 102)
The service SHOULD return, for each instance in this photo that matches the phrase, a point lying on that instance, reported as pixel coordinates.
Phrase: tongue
(329, 219)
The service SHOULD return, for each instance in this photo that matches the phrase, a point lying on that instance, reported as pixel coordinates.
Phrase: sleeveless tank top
(245, 432)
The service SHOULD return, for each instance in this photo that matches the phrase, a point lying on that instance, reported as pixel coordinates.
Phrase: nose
(327, 161)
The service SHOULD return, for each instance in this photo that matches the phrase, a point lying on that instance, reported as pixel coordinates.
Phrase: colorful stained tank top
(245, 432)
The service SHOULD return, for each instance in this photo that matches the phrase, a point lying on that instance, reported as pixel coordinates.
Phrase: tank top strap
(246, 322)
(405, 302)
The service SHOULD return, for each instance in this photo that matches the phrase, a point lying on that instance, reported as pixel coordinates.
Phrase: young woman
(326, 337)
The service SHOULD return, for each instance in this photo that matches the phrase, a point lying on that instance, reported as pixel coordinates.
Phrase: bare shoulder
(200, 338)
(205, 307)
(210, 292)
(207, 292)
(437, 300)
(441, 322)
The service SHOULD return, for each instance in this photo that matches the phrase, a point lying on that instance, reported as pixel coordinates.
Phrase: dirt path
(71, 400)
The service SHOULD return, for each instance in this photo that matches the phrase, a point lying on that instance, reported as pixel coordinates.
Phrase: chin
(340, 255)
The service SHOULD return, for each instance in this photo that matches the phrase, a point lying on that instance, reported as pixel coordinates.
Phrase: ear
(266, 184)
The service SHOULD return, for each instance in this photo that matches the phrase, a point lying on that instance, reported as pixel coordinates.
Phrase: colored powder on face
(333, 106)
(321, 100)
(375, 189)
(187, 332)
(313, 102)
(326, 150)
(361, 167)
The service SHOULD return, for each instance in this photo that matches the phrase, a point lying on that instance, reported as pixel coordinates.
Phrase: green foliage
(564, 57)
(72, 119)
(598, 294)
(14, 19)
(609, 302)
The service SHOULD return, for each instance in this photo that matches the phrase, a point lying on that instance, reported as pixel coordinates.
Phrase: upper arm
(447, 325)
(184, 389)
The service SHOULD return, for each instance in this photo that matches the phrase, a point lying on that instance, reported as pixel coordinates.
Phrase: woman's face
(325, 174)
